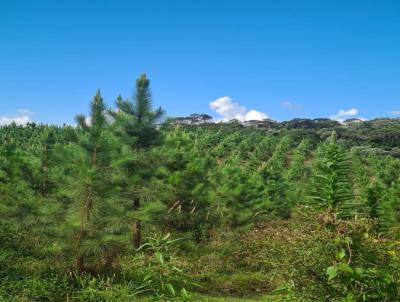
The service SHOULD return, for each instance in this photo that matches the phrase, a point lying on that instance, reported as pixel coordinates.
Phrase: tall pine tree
(135, 124)
(90, 184)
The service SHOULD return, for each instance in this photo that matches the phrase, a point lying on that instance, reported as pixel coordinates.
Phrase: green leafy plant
(161, 277)
(361, 281)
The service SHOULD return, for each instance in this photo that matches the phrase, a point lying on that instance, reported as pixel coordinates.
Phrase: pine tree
(240, 192)
(388, 209)
(273, 172)
(296, 170)
(135, 124)
(331, 186)
(90, 185)
(48, 141)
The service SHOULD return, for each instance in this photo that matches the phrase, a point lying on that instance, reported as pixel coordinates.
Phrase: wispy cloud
(290, 105)
(343, 115)
(228, 110)
(395, 112)
(23, 117)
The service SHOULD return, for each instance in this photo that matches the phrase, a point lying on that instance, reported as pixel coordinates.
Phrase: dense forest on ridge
(131, 206)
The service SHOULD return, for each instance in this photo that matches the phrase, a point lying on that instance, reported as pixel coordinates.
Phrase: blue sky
(281, 59)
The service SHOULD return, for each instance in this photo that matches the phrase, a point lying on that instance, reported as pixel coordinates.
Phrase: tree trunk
(45, 170)
(137, 237)
(136, 227)
(80, 264)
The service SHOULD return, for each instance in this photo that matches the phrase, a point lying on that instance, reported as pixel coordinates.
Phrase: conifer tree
(48, 141)
(388, 209)
(135, 124)
(332, 184)
(240, 192)
(298, 173)
(296, 169)
(272, 172)
(90, 181)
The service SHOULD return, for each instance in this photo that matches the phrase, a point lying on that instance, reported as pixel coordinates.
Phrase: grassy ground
(231, 299)
(201, 298)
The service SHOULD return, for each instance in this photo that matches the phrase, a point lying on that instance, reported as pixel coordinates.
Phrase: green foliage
(155, 267)
(316, 255)
(91, 187)
(75, 201)
(388, 209)
(135, 125)
(332, 185)
(354, 280)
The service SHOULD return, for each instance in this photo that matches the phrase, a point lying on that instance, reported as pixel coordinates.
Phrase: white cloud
(229, 110)
(88, 120)
(395, 112)
(253, 115)
(290, 105)
(343, 115)
(23, 117)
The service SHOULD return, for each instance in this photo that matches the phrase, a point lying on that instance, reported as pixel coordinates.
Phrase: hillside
(125, 210)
